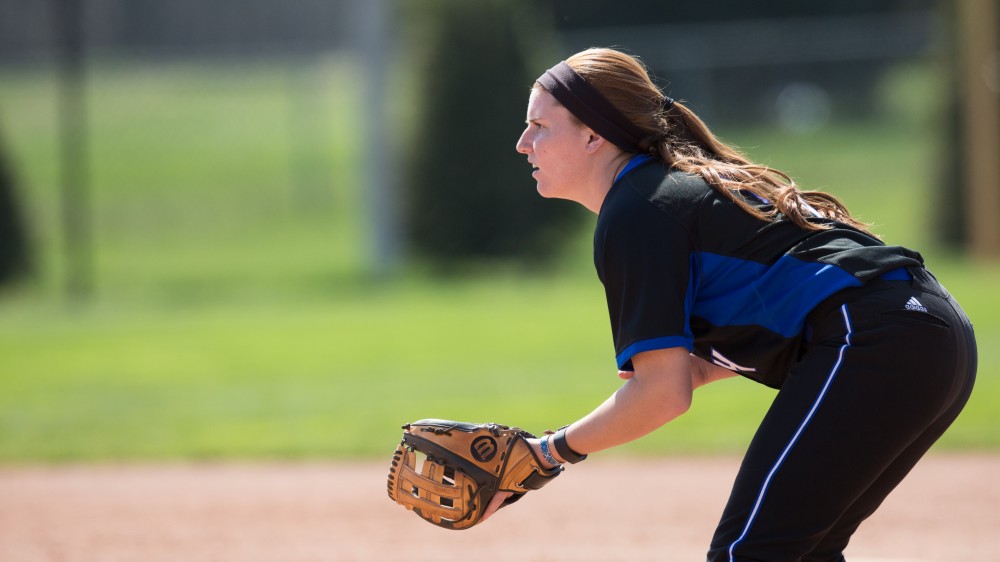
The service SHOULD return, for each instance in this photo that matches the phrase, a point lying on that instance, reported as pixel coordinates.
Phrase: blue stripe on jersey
(735, 292)
(632, 163)
(898, 274)
(648, 345)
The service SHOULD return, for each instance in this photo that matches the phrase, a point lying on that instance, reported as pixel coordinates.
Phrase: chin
(547, 192)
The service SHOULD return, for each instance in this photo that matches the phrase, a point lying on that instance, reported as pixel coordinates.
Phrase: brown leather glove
(446, 471)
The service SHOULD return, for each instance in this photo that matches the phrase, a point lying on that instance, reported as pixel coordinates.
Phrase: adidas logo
(914, 304)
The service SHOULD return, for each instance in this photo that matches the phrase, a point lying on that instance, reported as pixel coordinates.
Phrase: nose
(523, 144)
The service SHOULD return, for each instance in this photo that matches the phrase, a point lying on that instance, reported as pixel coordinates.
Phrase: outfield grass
(233, 317)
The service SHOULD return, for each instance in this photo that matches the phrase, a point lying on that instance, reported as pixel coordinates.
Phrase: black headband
(588, 105)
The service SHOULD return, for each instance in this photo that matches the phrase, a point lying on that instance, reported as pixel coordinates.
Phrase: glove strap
(559, 442)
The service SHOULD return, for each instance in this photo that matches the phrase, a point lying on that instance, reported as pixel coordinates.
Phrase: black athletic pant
(888, 368)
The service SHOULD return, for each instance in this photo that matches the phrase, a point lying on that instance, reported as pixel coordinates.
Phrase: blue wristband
(546, 453)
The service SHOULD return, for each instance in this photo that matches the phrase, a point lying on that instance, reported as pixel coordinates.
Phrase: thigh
(870, 386)
(965, 365)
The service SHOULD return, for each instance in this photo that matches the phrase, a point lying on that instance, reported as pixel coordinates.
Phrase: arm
(703, 372)
(657, 391)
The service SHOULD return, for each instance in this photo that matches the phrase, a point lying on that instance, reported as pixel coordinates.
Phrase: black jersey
(683, 266)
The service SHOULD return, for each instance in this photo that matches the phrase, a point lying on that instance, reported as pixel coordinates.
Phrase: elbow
(681, 404)
(673, 406)
(664, 382)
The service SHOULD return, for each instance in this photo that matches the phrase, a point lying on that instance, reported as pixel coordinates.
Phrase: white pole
(379, 179)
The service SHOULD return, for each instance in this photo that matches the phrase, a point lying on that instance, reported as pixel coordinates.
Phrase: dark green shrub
(470, 196)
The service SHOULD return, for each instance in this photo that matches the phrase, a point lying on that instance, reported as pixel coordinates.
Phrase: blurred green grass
(234, 317)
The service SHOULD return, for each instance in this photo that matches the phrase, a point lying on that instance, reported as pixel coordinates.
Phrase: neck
(604, 178)
(621, 166)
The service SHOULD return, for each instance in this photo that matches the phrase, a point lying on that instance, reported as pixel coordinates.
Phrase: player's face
(555, 143)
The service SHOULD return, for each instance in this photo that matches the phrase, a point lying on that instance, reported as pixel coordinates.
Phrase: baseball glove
(446, 471)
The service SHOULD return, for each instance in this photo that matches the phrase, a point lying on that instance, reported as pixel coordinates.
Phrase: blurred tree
(948, 220)
(15, 257)
(470, 195)
(979, 45)
(968, 198)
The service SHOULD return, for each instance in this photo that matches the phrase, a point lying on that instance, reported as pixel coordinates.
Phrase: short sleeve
(644, 259)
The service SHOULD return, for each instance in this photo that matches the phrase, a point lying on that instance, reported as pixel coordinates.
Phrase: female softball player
(714, 267)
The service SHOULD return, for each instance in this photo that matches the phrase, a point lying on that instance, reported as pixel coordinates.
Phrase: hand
(495, 504)
(497, 500)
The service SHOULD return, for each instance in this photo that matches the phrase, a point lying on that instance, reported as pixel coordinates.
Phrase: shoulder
(655, 192)
(648, 217)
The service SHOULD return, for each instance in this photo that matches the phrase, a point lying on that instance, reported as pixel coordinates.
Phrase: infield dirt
(611, 509)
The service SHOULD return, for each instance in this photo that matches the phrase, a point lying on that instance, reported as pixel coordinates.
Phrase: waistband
(917, 277)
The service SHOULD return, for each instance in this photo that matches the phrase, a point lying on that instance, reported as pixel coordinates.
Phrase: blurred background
(228, 228)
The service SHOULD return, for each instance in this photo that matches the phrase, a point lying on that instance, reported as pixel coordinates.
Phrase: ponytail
(667, 129)
(687, 144)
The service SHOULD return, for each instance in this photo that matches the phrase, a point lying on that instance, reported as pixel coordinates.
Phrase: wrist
(563, 449)
(546, 452)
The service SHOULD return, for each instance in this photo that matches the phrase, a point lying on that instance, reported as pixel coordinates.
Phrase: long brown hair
(682, 140)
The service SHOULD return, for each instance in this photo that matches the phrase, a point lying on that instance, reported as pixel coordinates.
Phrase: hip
(915, 318)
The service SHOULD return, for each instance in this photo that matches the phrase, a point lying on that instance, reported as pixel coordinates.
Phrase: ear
(594, 141)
